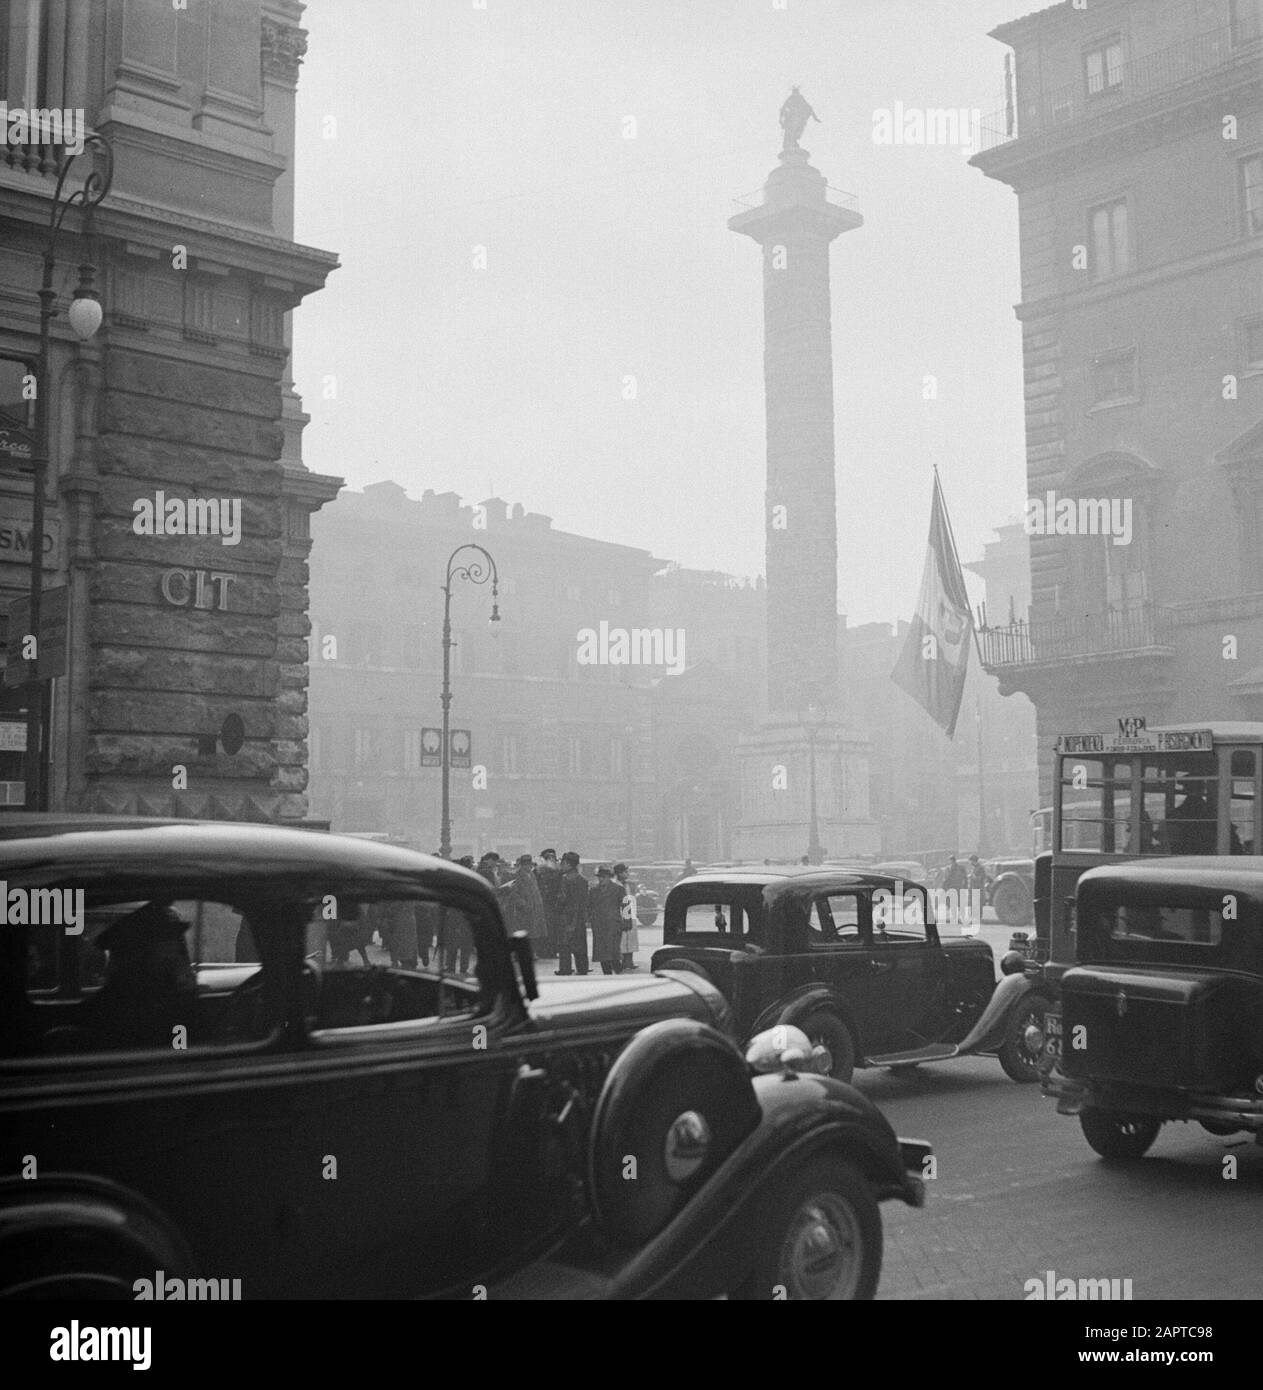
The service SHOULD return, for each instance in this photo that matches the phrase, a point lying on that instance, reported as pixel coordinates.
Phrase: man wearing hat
(631, 937)
(523, 906)
(574, 917)
(150, 988)
(605, 911)
(548, 878)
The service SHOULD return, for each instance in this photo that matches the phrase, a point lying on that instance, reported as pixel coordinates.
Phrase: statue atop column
(795, 113)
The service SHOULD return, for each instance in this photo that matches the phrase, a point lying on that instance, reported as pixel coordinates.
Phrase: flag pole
(951, 537)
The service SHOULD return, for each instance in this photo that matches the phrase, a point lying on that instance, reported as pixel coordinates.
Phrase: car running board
(936, 1052)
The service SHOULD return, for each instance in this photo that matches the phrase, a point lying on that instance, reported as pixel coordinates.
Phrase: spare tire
(675, 1104)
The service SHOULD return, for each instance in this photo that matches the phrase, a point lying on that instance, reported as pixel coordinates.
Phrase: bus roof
(1221, 730)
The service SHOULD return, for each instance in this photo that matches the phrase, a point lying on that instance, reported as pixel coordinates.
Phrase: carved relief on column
(283, 47)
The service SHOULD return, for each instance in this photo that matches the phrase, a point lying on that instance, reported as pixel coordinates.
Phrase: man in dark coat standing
(605, 911)
(548, 877)
(574, 917)
(523, 906)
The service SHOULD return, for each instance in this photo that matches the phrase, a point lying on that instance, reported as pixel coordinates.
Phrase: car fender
(1008, 876)
(80, 1211)
(800, 1002)
(1008, 992)
(708, 1246)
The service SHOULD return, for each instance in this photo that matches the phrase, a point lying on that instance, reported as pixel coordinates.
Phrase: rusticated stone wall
(164, 676)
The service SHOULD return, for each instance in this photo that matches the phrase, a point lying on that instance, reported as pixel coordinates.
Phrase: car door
(420, 1163)
(840, 945)
(906, 948)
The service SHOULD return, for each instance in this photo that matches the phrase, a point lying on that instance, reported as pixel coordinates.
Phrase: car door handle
(880, 967)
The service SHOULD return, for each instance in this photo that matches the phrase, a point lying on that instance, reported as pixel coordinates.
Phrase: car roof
(101, 848)
(790, 877)
(1235, 873)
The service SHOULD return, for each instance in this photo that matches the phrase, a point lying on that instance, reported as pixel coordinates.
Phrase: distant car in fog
(857, 961)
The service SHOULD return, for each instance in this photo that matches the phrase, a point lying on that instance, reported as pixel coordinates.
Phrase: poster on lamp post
(462, 748)
(431, 747)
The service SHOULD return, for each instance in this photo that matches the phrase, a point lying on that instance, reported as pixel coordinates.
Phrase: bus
(1142, 792)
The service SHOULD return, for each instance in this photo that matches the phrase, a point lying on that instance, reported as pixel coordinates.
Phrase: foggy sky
(607, 257)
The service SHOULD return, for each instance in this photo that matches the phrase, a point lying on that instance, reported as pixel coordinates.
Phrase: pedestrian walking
(573, 953)
(605, 912)
(955, 882)
(631, 935)
(548, 877)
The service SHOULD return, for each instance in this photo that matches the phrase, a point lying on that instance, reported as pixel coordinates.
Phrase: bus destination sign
(1140, 741)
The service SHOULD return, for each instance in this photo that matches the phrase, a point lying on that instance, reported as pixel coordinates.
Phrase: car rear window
(1201, 926)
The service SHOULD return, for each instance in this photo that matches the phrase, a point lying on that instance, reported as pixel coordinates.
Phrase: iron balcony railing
(1083, 635)
(1168, 67)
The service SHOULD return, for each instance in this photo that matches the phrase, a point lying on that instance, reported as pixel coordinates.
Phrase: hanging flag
(935, 654)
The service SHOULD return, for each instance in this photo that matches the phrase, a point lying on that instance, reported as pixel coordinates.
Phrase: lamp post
(477, 570)
(629, 734)
(811, 721)
(84, 316)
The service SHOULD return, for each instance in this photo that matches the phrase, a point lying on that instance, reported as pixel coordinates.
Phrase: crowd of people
(557, 907)
(552, 902)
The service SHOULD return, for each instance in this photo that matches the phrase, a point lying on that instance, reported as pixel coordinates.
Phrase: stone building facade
(1134, 143)
(185, 691)
(615, 760)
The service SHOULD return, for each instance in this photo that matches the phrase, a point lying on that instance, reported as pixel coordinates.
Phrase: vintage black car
(857, 961)
(186, 1087)
(1162, 1014)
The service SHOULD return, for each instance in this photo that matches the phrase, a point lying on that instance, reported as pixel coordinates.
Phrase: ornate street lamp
(812, 719)
(477, 571)
(84, 316)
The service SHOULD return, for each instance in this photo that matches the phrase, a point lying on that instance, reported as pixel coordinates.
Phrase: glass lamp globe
(85, 316)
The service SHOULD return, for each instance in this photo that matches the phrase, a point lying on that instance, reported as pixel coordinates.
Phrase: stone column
(794, 225)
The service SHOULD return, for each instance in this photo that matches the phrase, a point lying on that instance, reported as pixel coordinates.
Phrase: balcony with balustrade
(1226, 53)
(1024, 654)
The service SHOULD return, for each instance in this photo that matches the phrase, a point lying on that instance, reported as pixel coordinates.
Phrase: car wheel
(1116, 1135)
(820, 1238)
(1023, 1044)
(646, 911)
(824, 1027)
(1012, 904)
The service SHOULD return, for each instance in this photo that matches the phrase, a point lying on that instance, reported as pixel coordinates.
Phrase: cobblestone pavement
(1019, 1193)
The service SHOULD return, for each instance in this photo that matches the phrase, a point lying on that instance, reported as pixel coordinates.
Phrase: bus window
(1180, 798)
(1095, 805)
(1241, 802)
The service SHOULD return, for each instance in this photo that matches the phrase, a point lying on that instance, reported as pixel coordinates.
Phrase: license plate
(1052, 1034)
